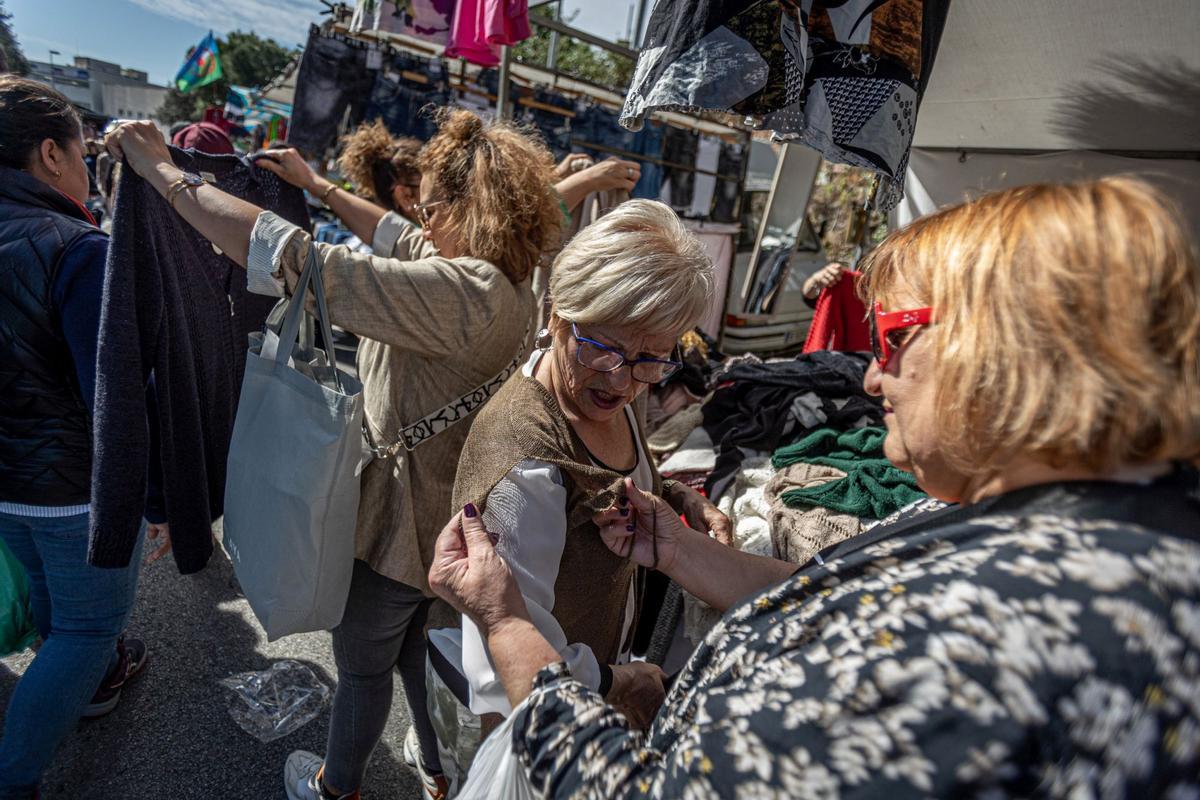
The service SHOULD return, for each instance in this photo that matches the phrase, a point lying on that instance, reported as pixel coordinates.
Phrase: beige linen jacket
(431, 329)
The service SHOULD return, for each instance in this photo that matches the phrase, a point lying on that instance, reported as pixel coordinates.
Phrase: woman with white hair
(555, 444)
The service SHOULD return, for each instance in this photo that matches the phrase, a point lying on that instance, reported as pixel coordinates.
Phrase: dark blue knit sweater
(173, 306)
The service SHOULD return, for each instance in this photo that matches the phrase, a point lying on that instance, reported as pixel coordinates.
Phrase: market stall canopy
(1066, 75)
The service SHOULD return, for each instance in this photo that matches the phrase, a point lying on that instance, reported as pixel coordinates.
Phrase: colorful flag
(202, 67)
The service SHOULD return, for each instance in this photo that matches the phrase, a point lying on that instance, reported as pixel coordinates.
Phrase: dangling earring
(544, 339)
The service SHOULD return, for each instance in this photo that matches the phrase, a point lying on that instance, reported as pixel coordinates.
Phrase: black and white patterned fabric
(1013, 651)
(842, 76)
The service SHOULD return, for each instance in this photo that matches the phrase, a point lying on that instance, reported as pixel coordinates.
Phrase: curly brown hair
(500, 184)
(375, 162)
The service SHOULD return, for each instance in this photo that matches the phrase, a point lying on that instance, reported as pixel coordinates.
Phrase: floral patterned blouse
(1008, 653)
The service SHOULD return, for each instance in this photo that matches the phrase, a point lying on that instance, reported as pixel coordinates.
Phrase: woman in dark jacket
(51, 276)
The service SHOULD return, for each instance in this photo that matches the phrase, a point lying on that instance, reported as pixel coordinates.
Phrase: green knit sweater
(872, 488)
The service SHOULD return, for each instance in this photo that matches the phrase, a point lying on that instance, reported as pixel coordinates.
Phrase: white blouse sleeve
(528, 509)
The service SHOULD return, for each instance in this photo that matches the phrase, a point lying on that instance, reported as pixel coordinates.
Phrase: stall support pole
(638, 32)
(552, 55)
(503, 101)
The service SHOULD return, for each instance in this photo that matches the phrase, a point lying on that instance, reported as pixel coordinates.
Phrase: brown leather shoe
(131, 660)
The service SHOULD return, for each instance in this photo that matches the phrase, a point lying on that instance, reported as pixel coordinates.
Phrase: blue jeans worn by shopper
(79, 610)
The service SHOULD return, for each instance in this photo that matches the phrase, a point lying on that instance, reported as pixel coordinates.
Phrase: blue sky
(153, 35)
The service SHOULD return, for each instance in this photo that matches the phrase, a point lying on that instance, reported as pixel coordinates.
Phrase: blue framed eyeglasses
(602, 358)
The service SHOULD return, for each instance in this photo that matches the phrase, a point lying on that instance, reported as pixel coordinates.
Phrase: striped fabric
(43, 512)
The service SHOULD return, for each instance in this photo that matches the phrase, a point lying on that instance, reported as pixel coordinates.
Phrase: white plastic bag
(496, 771)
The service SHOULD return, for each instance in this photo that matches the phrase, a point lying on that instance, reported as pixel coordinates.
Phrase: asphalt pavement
(172, 736)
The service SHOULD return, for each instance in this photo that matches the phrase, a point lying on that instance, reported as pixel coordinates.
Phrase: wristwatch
(189, 180)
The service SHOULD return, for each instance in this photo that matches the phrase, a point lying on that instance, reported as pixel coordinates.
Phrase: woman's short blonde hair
(637, 266)
(1067, 324)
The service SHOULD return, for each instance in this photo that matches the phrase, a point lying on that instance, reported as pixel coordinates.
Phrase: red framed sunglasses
(887, 327)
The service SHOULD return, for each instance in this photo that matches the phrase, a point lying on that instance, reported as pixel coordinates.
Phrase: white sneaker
(412, 748)
(302, 777)
(434, 786)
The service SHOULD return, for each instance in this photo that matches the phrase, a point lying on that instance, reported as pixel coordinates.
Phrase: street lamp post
(53, 53)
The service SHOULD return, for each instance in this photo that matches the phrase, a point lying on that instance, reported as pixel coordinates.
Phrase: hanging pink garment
(467, 39)
(506, 21)
(480, 27)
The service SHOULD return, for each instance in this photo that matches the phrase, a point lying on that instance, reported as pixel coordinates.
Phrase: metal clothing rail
(628, 156)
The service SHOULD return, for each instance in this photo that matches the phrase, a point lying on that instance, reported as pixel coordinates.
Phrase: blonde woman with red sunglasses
(1039, 357)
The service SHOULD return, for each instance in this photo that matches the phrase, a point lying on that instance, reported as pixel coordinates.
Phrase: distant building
(102, 87)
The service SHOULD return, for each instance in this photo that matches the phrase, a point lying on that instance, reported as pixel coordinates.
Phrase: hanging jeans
(726, 205)
(332, 78)
(554, 128)
(680, 147)
(402, 105)
(649, 143)
(596, 126)
(79, 610)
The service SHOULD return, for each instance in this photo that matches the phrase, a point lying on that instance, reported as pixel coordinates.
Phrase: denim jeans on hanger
(726, 205)
(555, 129)
(402, 105)
(333, 76)
(680, 147)
(596, 125)
(649, 143)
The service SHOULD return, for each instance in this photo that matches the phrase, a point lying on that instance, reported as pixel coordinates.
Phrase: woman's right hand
(469, 574)
(612, 173)
(643, 529)
(571, 164)
(823, 278)
(140, 145)
(637, 692)
(289, 166)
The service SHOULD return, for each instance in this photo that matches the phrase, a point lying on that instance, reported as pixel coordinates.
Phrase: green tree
(577, 59)
(11, 57)
(835, 209)
(246, 60)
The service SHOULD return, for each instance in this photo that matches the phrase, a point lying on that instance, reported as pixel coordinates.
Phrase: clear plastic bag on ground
(276, 701)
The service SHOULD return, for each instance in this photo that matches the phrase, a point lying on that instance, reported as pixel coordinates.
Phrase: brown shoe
(131, 660)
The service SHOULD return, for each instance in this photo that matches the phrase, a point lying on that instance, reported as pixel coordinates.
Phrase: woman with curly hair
(384, 169)
(444, 313)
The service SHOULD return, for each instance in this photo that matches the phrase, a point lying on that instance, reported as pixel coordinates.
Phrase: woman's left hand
(289, 166)
(642, 528)
(700, 513)
(469, 574)
(159, 533)
(140, 144)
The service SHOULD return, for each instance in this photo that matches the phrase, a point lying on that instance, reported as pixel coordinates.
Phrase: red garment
(840, 322)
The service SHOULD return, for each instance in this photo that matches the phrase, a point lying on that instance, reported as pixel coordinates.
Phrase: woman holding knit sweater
(551, 449)
(442, 311)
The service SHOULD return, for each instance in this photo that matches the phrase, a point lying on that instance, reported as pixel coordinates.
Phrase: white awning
(1066, 75)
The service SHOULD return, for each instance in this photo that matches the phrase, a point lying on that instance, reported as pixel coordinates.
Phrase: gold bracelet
(325, 194)
(185, 181)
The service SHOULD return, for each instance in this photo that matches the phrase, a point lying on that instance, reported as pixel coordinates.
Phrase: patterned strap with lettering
(424, 429)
